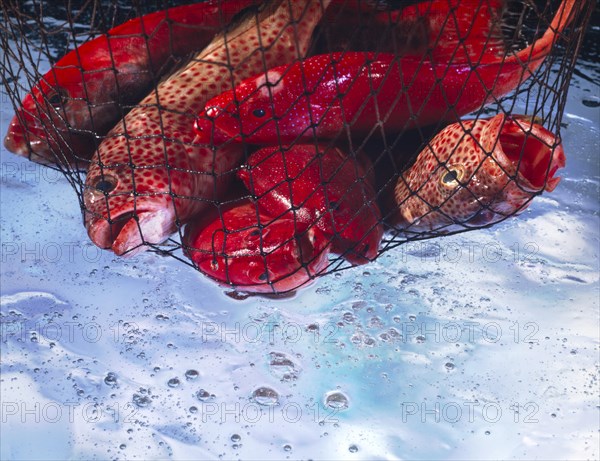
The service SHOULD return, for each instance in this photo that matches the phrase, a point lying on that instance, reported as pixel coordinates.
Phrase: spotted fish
(150, 175)
(476, 173)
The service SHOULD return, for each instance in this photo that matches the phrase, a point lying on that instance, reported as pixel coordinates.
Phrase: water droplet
(191, 375)
(348, 317)
(487, 432)
(111, 379)
(412, 318)
(420, 339)
(141, 401)
(336, 400)
(161, 317)
(287, 448)
(449, 366)
(352, 448)
(283, 367)
(204, 395)
(266, 396)
(122, 446)
(235, 438)
(173, 382)
(193, 410)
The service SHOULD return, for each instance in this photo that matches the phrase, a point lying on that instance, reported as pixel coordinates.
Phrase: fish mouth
(130, 232)
(24, 143)
(534, 152)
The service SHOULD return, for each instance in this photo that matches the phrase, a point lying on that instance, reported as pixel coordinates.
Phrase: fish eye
(259, 112)
(58, 98)
(452, 177)
(105, 184)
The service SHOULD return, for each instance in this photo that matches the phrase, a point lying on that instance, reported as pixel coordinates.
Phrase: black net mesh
(266, 144)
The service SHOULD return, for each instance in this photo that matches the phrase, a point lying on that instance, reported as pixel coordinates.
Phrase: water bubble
(352, 448)
(141, 401)
(487, 432)
(173, 382)
(204, 395)
(110, 379)
(122, 446)
(420, 339)
(235, 438)
(193, 410)
(287, 448)
(161, 317)
(336, 400)
(412, 318)
(283, 367)
(348, 317)
(266, 396)
(449, 366)
(191, 374)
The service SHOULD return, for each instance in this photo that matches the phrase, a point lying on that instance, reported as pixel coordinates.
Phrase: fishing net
(405, 112)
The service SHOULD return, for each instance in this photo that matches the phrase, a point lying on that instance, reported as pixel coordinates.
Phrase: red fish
(320, 187)
(83, 96)
(476, 173)
(150, 175)
(254, 252)
(360, 92)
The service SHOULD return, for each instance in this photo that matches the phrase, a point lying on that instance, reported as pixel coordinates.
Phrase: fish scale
(149, 173)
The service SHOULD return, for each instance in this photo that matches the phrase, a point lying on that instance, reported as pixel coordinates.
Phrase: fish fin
(174, 66)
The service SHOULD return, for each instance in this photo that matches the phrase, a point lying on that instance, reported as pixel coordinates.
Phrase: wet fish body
(361, 92)
(254, 252)
(477, 173)
(150, 175)
(89, 89)
(319, 186)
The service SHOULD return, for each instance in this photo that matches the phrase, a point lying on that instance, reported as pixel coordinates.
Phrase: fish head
(46, 125)
(261, 110)
(243, 247)
(132, 204)
(477, 173)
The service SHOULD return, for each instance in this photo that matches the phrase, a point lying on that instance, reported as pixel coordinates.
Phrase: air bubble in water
(283, 367)
(191, 374)
(110, 379)
(266, 396)
(141, 401)
(204, 395)
(336, 400)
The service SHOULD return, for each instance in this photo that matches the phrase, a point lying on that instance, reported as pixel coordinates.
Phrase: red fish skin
(81, 96)
(254, 252)
(461, 180)
(150, 175)
(321, 187)
(355, 91)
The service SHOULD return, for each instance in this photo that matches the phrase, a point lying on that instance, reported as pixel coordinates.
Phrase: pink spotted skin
(82, 97)
(357, 91)
(150, 175)
(319, 186)
(477, 173)
(254, 252)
